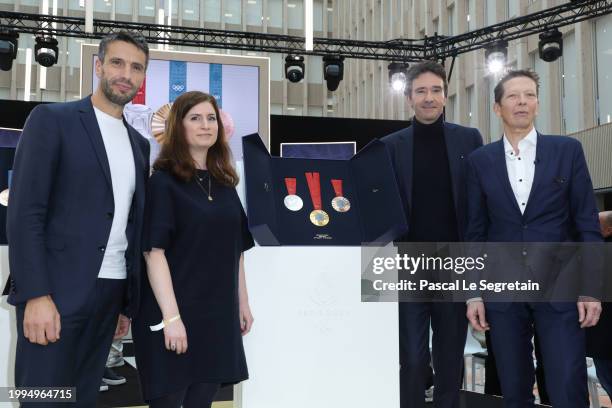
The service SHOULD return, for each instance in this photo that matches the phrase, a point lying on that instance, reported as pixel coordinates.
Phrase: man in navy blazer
(528, 187)
(429, 158)
(74, 226)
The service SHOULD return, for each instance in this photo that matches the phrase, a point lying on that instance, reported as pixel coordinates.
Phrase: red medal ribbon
(314, 186)
(291, 183)
(337, 184)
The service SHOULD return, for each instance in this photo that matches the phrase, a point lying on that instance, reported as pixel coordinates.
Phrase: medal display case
(319, 201)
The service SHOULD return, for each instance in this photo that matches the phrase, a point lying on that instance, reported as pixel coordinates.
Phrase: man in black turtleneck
(429, 159)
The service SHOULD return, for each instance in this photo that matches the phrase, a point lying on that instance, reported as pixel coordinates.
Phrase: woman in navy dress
(194, 310)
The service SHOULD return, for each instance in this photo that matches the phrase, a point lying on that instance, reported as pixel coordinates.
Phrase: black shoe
(112, 378)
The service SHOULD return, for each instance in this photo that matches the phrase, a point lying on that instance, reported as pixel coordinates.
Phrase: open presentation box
(375, 216)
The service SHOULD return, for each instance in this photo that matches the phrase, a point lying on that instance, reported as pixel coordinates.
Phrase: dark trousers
(198, 395)
(562, 343)
(492, 385)
(77, 359)
(449, 326)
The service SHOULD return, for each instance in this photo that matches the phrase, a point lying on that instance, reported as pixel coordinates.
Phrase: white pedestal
(314, 343)
(8, 327)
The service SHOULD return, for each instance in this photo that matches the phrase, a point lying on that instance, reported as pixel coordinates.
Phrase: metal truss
(555, 17)
(399, 50)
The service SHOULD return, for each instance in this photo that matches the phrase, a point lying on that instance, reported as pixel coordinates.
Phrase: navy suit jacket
(460, 142)
(61, 208)
(561, 205)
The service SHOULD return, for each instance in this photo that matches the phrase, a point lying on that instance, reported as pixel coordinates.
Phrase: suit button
(524, 252)
(109, 215)
(525, 226)
(102, 248)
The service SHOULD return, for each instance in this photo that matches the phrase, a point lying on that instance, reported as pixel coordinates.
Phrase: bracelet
(164, 323)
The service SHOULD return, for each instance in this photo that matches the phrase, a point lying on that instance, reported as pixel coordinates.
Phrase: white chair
(592, 383)
(472, 347)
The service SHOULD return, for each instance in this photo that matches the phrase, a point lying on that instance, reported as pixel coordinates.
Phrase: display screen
(8, 141)
(334, 151)
(235, 87)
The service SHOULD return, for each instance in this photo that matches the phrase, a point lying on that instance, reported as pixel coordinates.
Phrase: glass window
(494, 122)
(277, 67)
(123, 7)
(451, 20)
(5, 93)
(275, 12)
(569, 67)
(330, 19)
(190, 10)
(102, 6)
(49, 96)
(603, 45)
(174, 6)
(315, 69)
(26, 2)
(254, 12)
(276, 109)
(543, 120)
(450, 109)
(315, 111)
(295, 12)
(513, 8)
(471, 14)
(146, 8)
(212, 11)
(472, 107)
(75, 5)
(423, 12)
(490, 15)
(233, 11)
(294, 110)
(318, 15)
(25, 41)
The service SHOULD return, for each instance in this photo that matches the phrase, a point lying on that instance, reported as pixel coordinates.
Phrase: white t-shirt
(123, 176)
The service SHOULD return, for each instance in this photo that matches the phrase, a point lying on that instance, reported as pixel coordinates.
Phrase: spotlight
(294, 68)
(397, 76)
(496, 55)
(551, 45)
(45, 51)
(8, 49)
(333, 71)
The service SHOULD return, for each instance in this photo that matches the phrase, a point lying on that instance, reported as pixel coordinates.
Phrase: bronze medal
(341, 204)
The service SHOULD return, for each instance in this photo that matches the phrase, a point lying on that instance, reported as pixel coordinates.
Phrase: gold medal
(319, 218)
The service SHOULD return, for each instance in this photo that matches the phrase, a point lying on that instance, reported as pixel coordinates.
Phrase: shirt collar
(531, 140)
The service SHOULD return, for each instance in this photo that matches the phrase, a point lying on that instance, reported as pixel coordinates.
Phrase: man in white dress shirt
(530, 188)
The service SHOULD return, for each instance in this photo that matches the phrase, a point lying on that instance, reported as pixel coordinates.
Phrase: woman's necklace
(207, 192)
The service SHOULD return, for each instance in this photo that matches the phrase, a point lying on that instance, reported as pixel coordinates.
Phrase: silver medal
(293, 202)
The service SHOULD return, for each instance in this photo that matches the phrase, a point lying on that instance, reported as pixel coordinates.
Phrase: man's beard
(117, 99)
